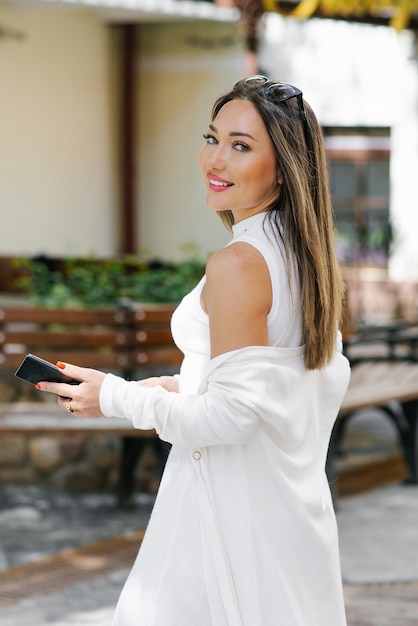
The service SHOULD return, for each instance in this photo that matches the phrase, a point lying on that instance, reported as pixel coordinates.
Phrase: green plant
(81, 282)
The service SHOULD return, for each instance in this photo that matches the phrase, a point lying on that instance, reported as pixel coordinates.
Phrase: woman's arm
(237, 297)
(239, 393)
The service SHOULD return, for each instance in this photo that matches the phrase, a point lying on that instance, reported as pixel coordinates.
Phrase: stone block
(13, 449)
(45, 453)
(78, 478)
(18, 476)
(8, 391)
(72, 447)
(104, 452)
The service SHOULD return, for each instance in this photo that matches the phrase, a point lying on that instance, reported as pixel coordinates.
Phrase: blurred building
(104, 103)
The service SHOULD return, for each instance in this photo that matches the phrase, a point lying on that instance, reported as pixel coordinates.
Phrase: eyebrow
(234, 133)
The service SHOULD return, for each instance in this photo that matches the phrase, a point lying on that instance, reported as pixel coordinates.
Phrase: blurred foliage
(79, 282)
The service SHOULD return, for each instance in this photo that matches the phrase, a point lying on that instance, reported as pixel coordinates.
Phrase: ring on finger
(68, 408)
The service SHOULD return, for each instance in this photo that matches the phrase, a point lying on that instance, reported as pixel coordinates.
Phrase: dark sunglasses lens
(282, 91)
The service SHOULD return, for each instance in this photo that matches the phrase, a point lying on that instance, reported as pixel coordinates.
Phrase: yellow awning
(398, 13)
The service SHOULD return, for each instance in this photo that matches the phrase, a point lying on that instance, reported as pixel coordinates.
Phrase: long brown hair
(302, 214)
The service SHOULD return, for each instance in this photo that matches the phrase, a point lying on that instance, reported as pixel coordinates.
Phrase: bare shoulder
(236, 260)
(237, 297)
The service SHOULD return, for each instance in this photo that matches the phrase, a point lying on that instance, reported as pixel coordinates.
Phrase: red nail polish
(38, 386)
(60, 365)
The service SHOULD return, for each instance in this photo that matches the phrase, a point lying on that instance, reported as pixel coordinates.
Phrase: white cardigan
(253, 441)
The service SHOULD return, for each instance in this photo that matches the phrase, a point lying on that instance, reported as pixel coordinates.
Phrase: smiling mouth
(219, 184)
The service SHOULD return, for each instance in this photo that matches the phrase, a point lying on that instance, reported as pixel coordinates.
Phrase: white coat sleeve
(186, 420)
(227, 413)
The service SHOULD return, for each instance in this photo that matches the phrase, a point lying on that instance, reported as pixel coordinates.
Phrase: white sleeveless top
(190, 323)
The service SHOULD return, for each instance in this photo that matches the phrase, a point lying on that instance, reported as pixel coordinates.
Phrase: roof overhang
(142, 10)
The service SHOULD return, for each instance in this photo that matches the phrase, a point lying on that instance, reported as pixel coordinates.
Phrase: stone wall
(68, 461)
(71, 462)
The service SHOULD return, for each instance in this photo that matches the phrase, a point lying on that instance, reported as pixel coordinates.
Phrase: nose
(216, 157)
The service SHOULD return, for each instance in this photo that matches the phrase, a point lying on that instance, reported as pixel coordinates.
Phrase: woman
(243, 531)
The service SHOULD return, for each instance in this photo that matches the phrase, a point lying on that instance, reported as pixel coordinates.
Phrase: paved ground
(39, 521)
(64, 558)
(379, 536)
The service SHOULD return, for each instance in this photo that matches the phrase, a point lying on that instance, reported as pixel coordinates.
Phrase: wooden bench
(392, 386)
(134, 342)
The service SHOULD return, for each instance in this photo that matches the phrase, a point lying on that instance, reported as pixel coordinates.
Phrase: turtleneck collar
(244, 225)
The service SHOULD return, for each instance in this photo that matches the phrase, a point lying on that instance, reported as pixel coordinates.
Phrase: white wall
(59, 179)
(58, 173)
(183, 68)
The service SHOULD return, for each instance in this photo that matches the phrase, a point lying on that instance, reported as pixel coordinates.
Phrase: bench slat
(380, 382)
(152, 336)
(61, 423)
(66, 316)
(62, 338)
(167, 356)
(149, 315)
(97, 360)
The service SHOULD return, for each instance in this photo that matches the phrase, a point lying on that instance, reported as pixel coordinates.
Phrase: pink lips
(218, 184)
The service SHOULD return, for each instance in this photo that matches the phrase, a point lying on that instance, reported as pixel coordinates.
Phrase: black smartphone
(33, 369)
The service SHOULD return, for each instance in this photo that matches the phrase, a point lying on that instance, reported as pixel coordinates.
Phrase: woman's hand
(82, 399)
(170, 383)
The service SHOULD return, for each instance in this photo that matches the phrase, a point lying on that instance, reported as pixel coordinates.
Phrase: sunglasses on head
(280, 92)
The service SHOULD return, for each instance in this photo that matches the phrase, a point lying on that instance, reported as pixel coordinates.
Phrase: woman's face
(238, 162)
